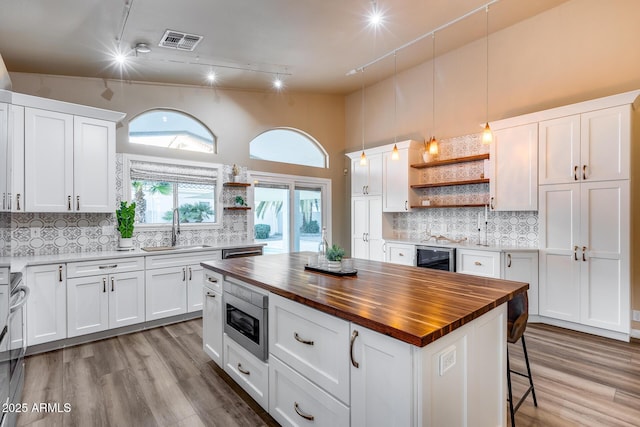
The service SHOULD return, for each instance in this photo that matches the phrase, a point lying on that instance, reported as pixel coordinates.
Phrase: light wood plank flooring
(161, 377)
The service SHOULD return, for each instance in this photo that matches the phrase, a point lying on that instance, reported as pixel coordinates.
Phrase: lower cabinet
(295, 401)
(47, 303)
(478, 263)
(522, 266)
(381, 379)
(399, 253)
(248, 371)
(98, 303)
(212, 317)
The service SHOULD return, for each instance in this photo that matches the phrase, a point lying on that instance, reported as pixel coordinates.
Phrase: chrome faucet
(175, 226)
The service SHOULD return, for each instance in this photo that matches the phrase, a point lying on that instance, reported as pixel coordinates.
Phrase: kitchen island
(395, 345)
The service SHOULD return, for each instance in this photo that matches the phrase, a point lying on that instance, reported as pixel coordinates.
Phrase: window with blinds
(159, 188)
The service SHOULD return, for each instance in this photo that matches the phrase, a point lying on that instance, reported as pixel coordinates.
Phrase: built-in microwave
(436, 257)
(246, 314)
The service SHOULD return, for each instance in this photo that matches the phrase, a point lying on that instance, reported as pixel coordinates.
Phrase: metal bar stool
(518, 314)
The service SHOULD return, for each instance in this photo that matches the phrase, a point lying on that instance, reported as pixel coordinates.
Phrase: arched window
(288, 145)
(171, 129)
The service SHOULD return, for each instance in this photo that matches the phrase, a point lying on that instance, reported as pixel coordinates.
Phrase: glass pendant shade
(363, 159)
(487, 135)
(433, 146)
(394, 154)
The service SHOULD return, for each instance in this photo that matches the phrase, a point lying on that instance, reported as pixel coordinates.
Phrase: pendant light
(487, 136)
(433, 143)
(363, 157)
(394, 154)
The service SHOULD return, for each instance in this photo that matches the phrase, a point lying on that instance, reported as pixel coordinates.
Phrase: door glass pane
(307, 219)
(271, 221)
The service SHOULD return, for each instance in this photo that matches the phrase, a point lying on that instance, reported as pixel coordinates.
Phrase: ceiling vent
(181, 41)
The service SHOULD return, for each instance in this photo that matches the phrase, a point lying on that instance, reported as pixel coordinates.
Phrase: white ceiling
(314, 43)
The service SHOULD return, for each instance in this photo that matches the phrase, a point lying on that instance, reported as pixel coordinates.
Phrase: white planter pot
(334, 265)
(125, 243)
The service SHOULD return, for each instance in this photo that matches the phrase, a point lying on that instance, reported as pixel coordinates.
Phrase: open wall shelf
(451, 161)
(448, 184)
(236, 184)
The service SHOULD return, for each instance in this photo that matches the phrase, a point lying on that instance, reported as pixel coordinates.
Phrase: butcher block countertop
(411, 304)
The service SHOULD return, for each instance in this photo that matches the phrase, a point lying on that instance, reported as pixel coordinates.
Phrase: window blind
(163, 172)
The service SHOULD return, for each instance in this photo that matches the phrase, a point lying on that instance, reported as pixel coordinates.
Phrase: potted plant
(126, 217)
(334, 257)
(240, 201)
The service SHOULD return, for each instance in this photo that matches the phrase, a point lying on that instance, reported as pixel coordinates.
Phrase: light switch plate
(447, 359)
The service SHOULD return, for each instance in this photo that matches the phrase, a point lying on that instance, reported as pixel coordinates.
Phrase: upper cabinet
(514, 157)
(60, 157)
(366, 180)
(591, 146)
(4, 156)
(397, 196)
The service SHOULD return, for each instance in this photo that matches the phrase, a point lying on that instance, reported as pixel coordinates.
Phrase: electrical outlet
(447, 359)
(35, 232)
(107, 230)
(636, 315)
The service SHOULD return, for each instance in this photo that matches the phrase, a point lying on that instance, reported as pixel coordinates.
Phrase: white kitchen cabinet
(514, 158)
(98, 303)
(592, 146)
(4, 157)
(367, 179)
(397, 196)
(478, 262)
(584, 253)
(212, 317)
(311, 342)
(522, 266)
(15, 159)
(296, 401)
(400, 253)
(174, 283)
(47, 303)
(69, 163)
(381, 379)
(366, 228)
(249, 372)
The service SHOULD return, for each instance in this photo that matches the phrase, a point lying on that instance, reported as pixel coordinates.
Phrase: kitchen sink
(173, 248)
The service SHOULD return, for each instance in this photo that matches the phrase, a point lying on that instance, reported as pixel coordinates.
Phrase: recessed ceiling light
(211, 77)
(375, 18)
(277, 83)
(142, 48)
(120, 58)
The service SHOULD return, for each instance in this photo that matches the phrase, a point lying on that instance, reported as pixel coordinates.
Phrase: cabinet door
(4, 157)
(212, 324)
(87, 305)
(359, 177)
(249, 372)
(400, 254)
(604, 255)
(195, 279)
(559, 148)
(523, 267)
(94, 150)
(559, 224)
(16, 158)
(478, 263)
(382, 382)
(48, 161)
(374, 162)
(395, 176)
(374, 236)
(126, 298)
(47, 304)
(166, 292)
(359, 227)
(605, 139)
(514, 155)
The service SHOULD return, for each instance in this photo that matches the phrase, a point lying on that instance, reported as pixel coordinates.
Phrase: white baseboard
(620, 336)
(635, 333)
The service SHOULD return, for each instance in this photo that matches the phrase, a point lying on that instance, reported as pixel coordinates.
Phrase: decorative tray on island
(339, 273)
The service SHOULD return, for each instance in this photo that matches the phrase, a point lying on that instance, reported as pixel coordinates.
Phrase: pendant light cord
(433, 77)
(395, 98)
(487, 63)
(363, 110)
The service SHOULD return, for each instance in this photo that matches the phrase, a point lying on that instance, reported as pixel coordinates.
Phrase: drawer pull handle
(477, 263)
(60, 273)
(584, 248)
(575, 173)
(104, 284)
(243, 371)
(212, 280)
(354, 335)
(68, 203)
(297, 337)
(17, 202)
(209, 294)
(400, 254)
(509, 260)
(184, 274)
(190, 275)
(112, 280)
(77, 203)
(302, 414)
(104, 267)
(584, 171)
(575, 253)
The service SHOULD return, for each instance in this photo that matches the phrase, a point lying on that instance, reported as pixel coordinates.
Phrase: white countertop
(461, 245)
(19, 263)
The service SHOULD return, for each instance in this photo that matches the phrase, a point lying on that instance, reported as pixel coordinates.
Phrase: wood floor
(161, 377)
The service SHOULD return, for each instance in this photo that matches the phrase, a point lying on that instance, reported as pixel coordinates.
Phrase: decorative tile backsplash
(502, 228)
(5, 234)
(56, 233)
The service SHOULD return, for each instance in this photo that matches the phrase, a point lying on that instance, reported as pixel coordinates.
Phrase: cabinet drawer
(313, 343)
(248, 371)
(294, 400)
(180, 259)
(401, 254)
(213, 281)
(478, 263)
(105, 266)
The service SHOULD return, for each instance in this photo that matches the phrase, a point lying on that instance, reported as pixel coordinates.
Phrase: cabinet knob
(478, 263)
